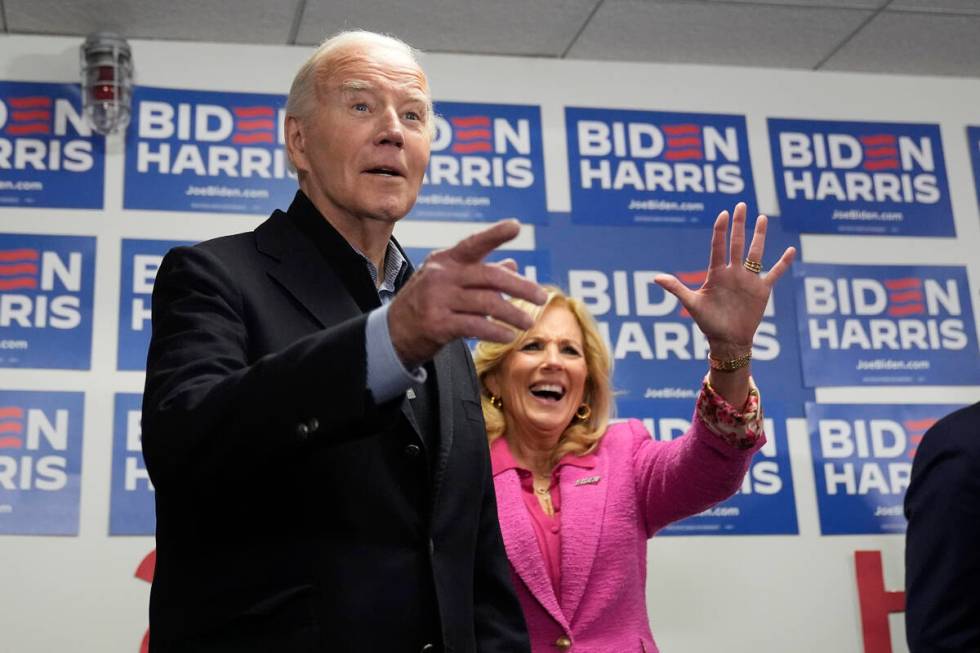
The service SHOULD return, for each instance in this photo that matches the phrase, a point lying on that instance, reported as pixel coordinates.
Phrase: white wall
(739, 594)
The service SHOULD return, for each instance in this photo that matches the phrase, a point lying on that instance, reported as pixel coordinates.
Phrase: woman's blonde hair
(581, 436)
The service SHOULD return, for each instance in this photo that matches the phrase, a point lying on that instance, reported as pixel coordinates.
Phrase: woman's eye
(531, 346)
(572, 351)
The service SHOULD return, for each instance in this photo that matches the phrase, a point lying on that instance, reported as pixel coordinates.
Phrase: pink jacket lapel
(583, 502)
(521, 544)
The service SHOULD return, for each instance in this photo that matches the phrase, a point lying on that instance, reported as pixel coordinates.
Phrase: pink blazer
(642, 486)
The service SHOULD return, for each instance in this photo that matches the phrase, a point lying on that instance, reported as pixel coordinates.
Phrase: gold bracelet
(730, 365)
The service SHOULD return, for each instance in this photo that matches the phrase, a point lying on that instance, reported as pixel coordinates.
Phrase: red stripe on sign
(29, 102)
(252, 138)
(249, 125)
(470, 121)
(470, 134)
(11, 427)
(911, 309)
(692, 277)
(877, 139)
(466, 148)
(31, 128)
(8, 412)
(683, 155)
(684, 141)
(253, 112)
(920, 424)
(903, 284)
(39, 114)
(909, 296)
(881, 152)
(18, 268)
(680, 130)
(11, 443)
(14, 284)
(881, 164)
(18, 255)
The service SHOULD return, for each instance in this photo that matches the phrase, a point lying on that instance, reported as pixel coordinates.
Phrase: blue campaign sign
(657, 349)
(861, 177)
(657, 168)
(764, 505)
(862, 461)
(40, 462)
(886, 324)
(486, 164)
(140, 262)
(206, 151)
(533, 264)
(973, 137)
(131, 510)
(46, 287)
(49, 156)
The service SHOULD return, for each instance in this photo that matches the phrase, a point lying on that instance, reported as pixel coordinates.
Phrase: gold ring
(752, 266)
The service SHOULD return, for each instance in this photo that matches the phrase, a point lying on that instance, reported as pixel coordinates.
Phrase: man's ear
(296, 143)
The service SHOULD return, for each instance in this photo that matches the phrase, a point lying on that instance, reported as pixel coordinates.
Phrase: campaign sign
(658, 350)
(862, 461)
(49, 156)
(40, 462)
(764, 505)
(46, 301)
(657, 168)
(973, 136)
(140, 262)
(131, 509)
(206, 151)
(533, 264)
(861, 177)
(881, 324)
(486, 164)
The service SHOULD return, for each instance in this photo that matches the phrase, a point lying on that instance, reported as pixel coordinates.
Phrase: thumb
(673, 285)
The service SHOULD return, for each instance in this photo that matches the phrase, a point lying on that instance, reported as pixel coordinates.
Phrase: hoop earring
(496, 401)
(583, 413)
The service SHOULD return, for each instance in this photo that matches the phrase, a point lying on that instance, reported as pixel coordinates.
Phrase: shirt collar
(394, 262)
(501, 459)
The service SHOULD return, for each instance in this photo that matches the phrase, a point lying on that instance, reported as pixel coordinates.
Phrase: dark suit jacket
(942, 547)
(293, 513)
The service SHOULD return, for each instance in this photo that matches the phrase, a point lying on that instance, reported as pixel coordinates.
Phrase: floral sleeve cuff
(739, 428)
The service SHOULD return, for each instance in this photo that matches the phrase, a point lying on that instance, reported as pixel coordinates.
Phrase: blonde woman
(577, 498)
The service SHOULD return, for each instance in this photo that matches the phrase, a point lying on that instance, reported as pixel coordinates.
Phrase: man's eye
(412, 115)
(360, 106)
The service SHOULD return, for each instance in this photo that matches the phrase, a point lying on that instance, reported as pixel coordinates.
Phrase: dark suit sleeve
(212, 415)
(942, 554)
(499, 620)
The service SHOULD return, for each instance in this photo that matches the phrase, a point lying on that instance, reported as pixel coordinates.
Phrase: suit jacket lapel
(522, 545)
(443, 365)
(582, 509)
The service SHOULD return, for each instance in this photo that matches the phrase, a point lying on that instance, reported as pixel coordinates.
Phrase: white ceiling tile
(542, 27)
(937, 6)
(915, 44)
(715, 33)
(242, 21)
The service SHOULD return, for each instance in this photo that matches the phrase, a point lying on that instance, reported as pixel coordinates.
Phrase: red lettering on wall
(876, 603)
(145, 572)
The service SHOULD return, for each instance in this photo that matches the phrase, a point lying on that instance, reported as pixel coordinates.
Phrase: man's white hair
(302, 100)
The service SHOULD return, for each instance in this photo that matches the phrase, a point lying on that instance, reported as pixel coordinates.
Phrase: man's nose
(390, 129)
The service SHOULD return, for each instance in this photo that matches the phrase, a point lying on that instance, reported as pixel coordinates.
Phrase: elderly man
(315, 440)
